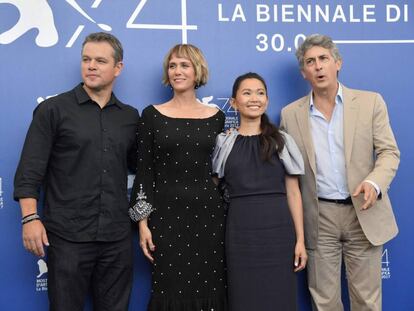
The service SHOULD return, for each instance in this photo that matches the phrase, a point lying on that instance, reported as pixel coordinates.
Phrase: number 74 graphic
(183, 26)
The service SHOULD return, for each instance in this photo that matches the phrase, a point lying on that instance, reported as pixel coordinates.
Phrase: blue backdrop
(40, 43)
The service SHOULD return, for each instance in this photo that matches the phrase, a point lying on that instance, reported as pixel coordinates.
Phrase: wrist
(29, 218)
(143, 223)
(28, 206)
(300, 241)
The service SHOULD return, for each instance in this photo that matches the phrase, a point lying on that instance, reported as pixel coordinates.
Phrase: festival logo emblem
(223, 103)
(207, 101)
(40, 99)
(34, 14)
(37, 14)
(41, 278)
(42, 267)
(385, 269)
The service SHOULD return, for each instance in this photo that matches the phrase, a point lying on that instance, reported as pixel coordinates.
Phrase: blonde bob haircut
(196, 57)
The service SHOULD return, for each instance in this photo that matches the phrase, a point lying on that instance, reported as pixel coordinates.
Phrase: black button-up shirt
(80, 154)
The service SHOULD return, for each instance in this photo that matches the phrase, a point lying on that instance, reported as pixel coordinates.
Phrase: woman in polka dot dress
(177, 206)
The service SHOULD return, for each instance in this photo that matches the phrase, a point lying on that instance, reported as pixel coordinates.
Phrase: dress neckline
(177, 118)
(254, 135)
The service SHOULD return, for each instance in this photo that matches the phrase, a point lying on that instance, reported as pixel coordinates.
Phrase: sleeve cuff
(142, 209)
(377, 189)
(25, 194)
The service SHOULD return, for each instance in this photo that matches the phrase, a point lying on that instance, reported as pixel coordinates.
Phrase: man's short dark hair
(111, 39)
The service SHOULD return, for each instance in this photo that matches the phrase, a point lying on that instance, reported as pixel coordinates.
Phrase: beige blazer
(371, 152)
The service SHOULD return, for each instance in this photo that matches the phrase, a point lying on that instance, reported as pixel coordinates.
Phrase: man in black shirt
(79, 147)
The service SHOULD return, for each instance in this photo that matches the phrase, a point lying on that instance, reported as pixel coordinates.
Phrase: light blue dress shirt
(328, 141)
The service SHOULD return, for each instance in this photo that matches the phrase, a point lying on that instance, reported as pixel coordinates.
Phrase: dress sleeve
(217, 158)
(142, 196)
(224, 144)
(291, 157)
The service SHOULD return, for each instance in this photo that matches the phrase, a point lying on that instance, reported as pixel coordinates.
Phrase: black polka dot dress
(187, 225)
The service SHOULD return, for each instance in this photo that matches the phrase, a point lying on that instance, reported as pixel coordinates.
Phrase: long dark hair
(270, 137)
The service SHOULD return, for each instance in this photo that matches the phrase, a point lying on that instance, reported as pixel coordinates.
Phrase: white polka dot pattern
(174, 167)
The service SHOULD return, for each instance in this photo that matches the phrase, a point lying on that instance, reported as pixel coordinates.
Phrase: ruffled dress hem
(206, 304)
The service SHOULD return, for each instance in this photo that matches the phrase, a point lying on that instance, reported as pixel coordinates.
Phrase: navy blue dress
(260, 236)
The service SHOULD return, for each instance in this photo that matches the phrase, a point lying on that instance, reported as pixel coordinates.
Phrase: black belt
(346, 201)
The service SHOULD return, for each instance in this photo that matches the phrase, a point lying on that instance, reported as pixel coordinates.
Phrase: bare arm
(145, 239)
(294, 198)
(34, 233)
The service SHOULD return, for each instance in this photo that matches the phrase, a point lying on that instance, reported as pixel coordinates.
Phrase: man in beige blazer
(350, 157)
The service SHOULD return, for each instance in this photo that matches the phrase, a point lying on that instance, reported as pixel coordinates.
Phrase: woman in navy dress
(264, 240)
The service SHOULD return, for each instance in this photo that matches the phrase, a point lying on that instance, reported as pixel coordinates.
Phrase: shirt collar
(339, 99)
(83, 97)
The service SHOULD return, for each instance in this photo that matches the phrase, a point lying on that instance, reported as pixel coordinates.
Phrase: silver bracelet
(30, 218)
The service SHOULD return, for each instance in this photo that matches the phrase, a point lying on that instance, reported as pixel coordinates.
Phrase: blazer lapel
(302, 117)
(350, 121)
